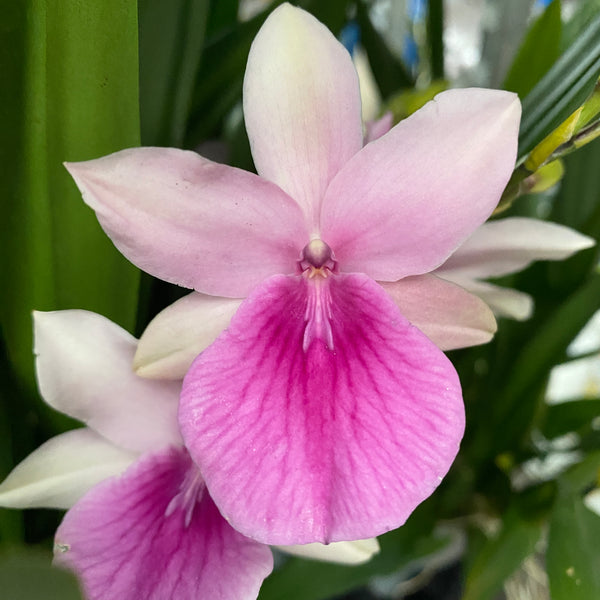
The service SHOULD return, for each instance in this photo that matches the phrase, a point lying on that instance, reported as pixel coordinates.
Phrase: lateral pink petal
(406, 201)
(328, 444)
(180, 332)
(84, 369)
(301, 106)
(124, 539)
(192, 222)
(447, 314)
(509, 245)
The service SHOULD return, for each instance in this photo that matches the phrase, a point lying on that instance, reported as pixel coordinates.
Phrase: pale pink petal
(341, 441)
(301, 106)
(179, 333)
(406, 201)
(343, 553)
(375, 129)
(128, 538)
(447, 314)
(60, 471)
(509, 245)
(84, 369)
(193, 222)
(504, 302)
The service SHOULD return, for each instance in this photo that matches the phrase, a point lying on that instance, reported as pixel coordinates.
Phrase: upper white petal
(301, 106)
(84, 369)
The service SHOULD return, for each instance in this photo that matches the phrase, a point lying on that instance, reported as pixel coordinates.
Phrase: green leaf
(538, 52)
(535, 359)
(499, 557)
(563, 89)
(171, 42)
(569, 416)
(435, 37)
(30, 576)
(572, 558)
(73, 96)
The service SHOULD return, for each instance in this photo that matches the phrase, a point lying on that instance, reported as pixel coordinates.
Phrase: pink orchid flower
(321, 414)
(139, 517)
(183, 330)
(140, 522)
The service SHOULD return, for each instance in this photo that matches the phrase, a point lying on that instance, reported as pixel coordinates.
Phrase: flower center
(317, 256)
(317, 264)
(190, 493)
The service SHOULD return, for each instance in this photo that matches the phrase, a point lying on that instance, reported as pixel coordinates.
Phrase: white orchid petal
(345, 553)
(504, 302)
(509, 245)
(592, 501)
(84, 369)
(179, 333)
(62, 470)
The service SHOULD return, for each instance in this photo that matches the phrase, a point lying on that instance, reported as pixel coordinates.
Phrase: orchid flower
(139, 516)
(321, 413)
(183, 330)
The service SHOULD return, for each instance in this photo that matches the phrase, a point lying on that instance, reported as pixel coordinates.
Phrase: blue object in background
(410, 52)
(350, 36)
(417, 10)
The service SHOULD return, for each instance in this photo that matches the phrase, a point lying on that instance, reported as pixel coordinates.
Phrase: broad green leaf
(73, 96)
(572, 558)
(30, 576)
(569, 416)
(500, 556)
(171, 42)
(584, 11)
(563, 89)
(538, 52)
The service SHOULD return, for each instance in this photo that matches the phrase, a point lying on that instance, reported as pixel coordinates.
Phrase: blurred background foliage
(85, 79)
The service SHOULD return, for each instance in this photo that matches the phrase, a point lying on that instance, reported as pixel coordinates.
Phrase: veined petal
(187, 220)
(62, 470)
(447, 314)
(341, 441)
(301, 106)
(504, 302)
(344, 553)
(179, 333)
(125, 535)
(406, 201)
(509, 245)
(84, 369)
